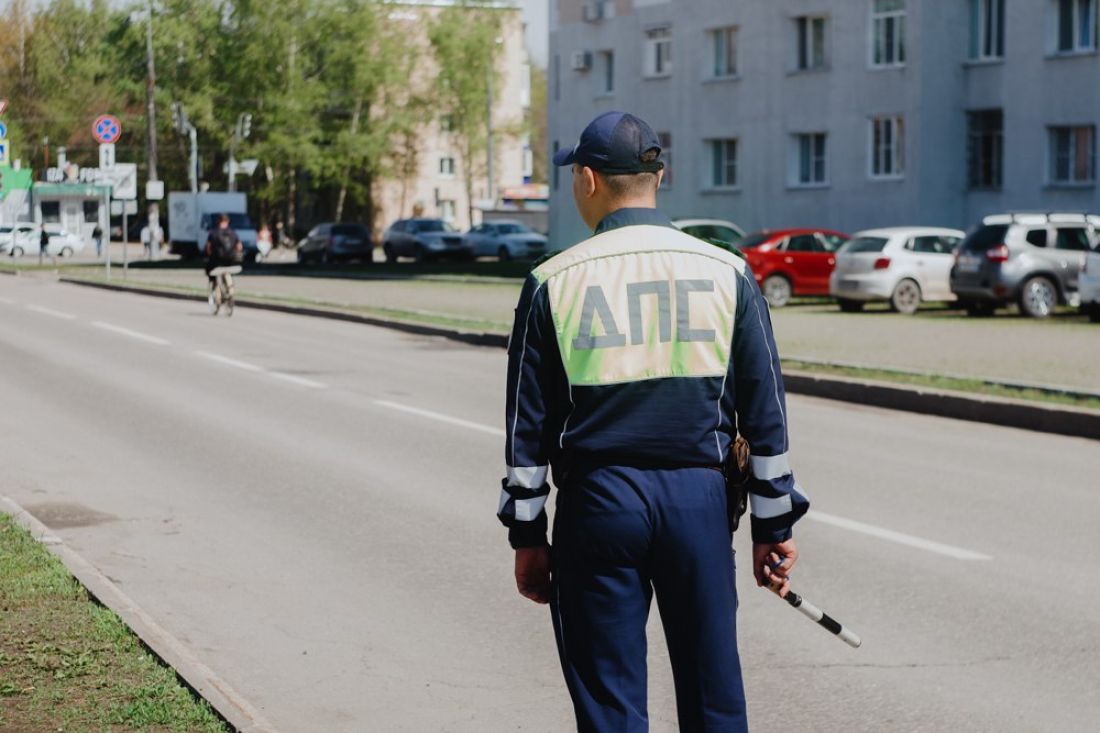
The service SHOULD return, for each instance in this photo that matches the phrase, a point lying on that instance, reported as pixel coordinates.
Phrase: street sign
(123, 181)
(3, 131)
(106, 129)
(107, 156)
(116, 208)
(154, 190)
(3, 152)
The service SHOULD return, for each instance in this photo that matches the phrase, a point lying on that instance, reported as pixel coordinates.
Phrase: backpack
(225, 245)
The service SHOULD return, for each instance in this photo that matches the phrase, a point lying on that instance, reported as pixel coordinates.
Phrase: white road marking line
(902, 539)
(294, 379)
(7, 301)
(51, 312)
(499, 432)
(230, 362)
(132, 334)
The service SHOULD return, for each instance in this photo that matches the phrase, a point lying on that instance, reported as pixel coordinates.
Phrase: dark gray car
(506, 240)
(1031, 259)
(335, 242)
(423, 240)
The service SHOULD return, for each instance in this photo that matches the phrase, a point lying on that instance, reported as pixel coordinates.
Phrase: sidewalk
(1063, 351)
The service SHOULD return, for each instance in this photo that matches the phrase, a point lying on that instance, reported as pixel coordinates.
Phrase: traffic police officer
(636, 357)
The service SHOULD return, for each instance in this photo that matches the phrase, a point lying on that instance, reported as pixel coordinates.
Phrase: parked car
(902, 265)
(334, 242)
(788, 262)
(13, 234)
(714, 230)
(1088, 284)
(505, 239)
(424, 239)
(26, 240)
(1032, 259)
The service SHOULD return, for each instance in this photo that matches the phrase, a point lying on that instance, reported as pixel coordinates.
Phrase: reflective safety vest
(643, 345)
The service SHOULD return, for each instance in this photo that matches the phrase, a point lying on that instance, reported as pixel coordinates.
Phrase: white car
(1088, 284)
(902, 265)
(26, 238)
(721, 229)
(506, 239)
(14, 237)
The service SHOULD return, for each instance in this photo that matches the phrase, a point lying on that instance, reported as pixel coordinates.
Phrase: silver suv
(1032, 259)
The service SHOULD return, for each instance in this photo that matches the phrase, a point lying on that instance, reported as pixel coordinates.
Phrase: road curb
(1036, 416)
(205, 683)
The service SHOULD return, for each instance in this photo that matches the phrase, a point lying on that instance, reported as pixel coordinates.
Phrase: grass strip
(67, 663)
(954, 384)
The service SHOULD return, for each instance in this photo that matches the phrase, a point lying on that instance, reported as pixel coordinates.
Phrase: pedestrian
(156, 238)
(43, 243)
(147, 241)
(97, 237)
(636, 357)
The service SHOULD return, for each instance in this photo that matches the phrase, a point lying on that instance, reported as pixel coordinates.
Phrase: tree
(465, 44)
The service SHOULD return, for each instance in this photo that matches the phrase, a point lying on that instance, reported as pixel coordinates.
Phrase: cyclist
(223, 248)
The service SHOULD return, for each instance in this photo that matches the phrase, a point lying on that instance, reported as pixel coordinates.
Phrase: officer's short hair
(625, 185)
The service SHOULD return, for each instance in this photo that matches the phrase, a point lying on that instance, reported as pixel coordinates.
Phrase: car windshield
(864, 244)
(753, 240)
(432, 225)
(236, 221)
(512, 229)
(349, 230)
(985, 238)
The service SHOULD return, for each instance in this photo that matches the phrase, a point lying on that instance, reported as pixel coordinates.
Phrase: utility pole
(151, 122)
(241, 132)
(183, 126)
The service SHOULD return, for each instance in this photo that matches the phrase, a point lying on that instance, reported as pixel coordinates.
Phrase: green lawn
(69, 664)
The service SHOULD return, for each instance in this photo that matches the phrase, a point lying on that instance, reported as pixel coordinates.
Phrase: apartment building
(434, 187)
(839, 113)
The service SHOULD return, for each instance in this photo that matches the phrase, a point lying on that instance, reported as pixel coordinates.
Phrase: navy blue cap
(615, 142)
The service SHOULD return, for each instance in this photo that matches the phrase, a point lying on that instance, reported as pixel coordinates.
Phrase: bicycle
(221, 289)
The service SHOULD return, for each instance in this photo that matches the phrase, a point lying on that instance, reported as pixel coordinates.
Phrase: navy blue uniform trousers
(622, 534)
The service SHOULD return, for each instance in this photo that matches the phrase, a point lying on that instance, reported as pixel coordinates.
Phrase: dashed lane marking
(230, 362)
(295, 379)
(900, 538)
(51, 312)
(103, 325)
(499, 432)
(245, 366)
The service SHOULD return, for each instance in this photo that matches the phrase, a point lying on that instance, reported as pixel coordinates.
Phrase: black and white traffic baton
(823, 619)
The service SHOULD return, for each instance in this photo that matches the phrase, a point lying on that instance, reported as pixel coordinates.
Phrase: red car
(790, 262)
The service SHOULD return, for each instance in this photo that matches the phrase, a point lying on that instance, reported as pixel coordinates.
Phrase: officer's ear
(587, 178)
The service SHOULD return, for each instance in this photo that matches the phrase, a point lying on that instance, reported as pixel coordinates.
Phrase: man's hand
(533, 573)
(768, 569)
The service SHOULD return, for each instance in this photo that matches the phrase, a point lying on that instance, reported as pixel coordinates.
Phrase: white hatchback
(902, 265)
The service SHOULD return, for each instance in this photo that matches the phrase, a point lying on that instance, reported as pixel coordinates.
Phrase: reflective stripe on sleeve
(766, 507)
(529, 477)
(767, 468)
(528, 509)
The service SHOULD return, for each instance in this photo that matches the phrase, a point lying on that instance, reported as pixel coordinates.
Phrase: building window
(607, 67)
(808, 160)
(665, 139)
(51, 212)
(887, 32)
(723, 159)
(887, 147)
(91, 212)
(446, 124)
(525, 85)
(1073, 154)
(987, 29)
(985, 136)
(810, 40)
(1075, 26)
(447, 167)
(447, 209)
(658, 52)
(723, 46)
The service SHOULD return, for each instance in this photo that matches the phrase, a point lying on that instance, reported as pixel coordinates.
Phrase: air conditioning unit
(594, 11)
(582, 60)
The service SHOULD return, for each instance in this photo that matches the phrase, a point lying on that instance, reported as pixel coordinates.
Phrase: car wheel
(16, 251)
(777, 289)
(1038, 297)
(66, 251)
(906, 297)
(849, 306)
(1094, 313)
(387, 250)
(504, 254)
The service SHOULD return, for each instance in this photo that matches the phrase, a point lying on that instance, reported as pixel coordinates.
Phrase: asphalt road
(309, 505)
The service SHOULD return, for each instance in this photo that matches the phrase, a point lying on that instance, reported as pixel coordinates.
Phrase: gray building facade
(846, 114)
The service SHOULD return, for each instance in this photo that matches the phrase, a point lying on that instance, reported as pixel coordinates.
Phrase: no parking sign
(107, 129)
